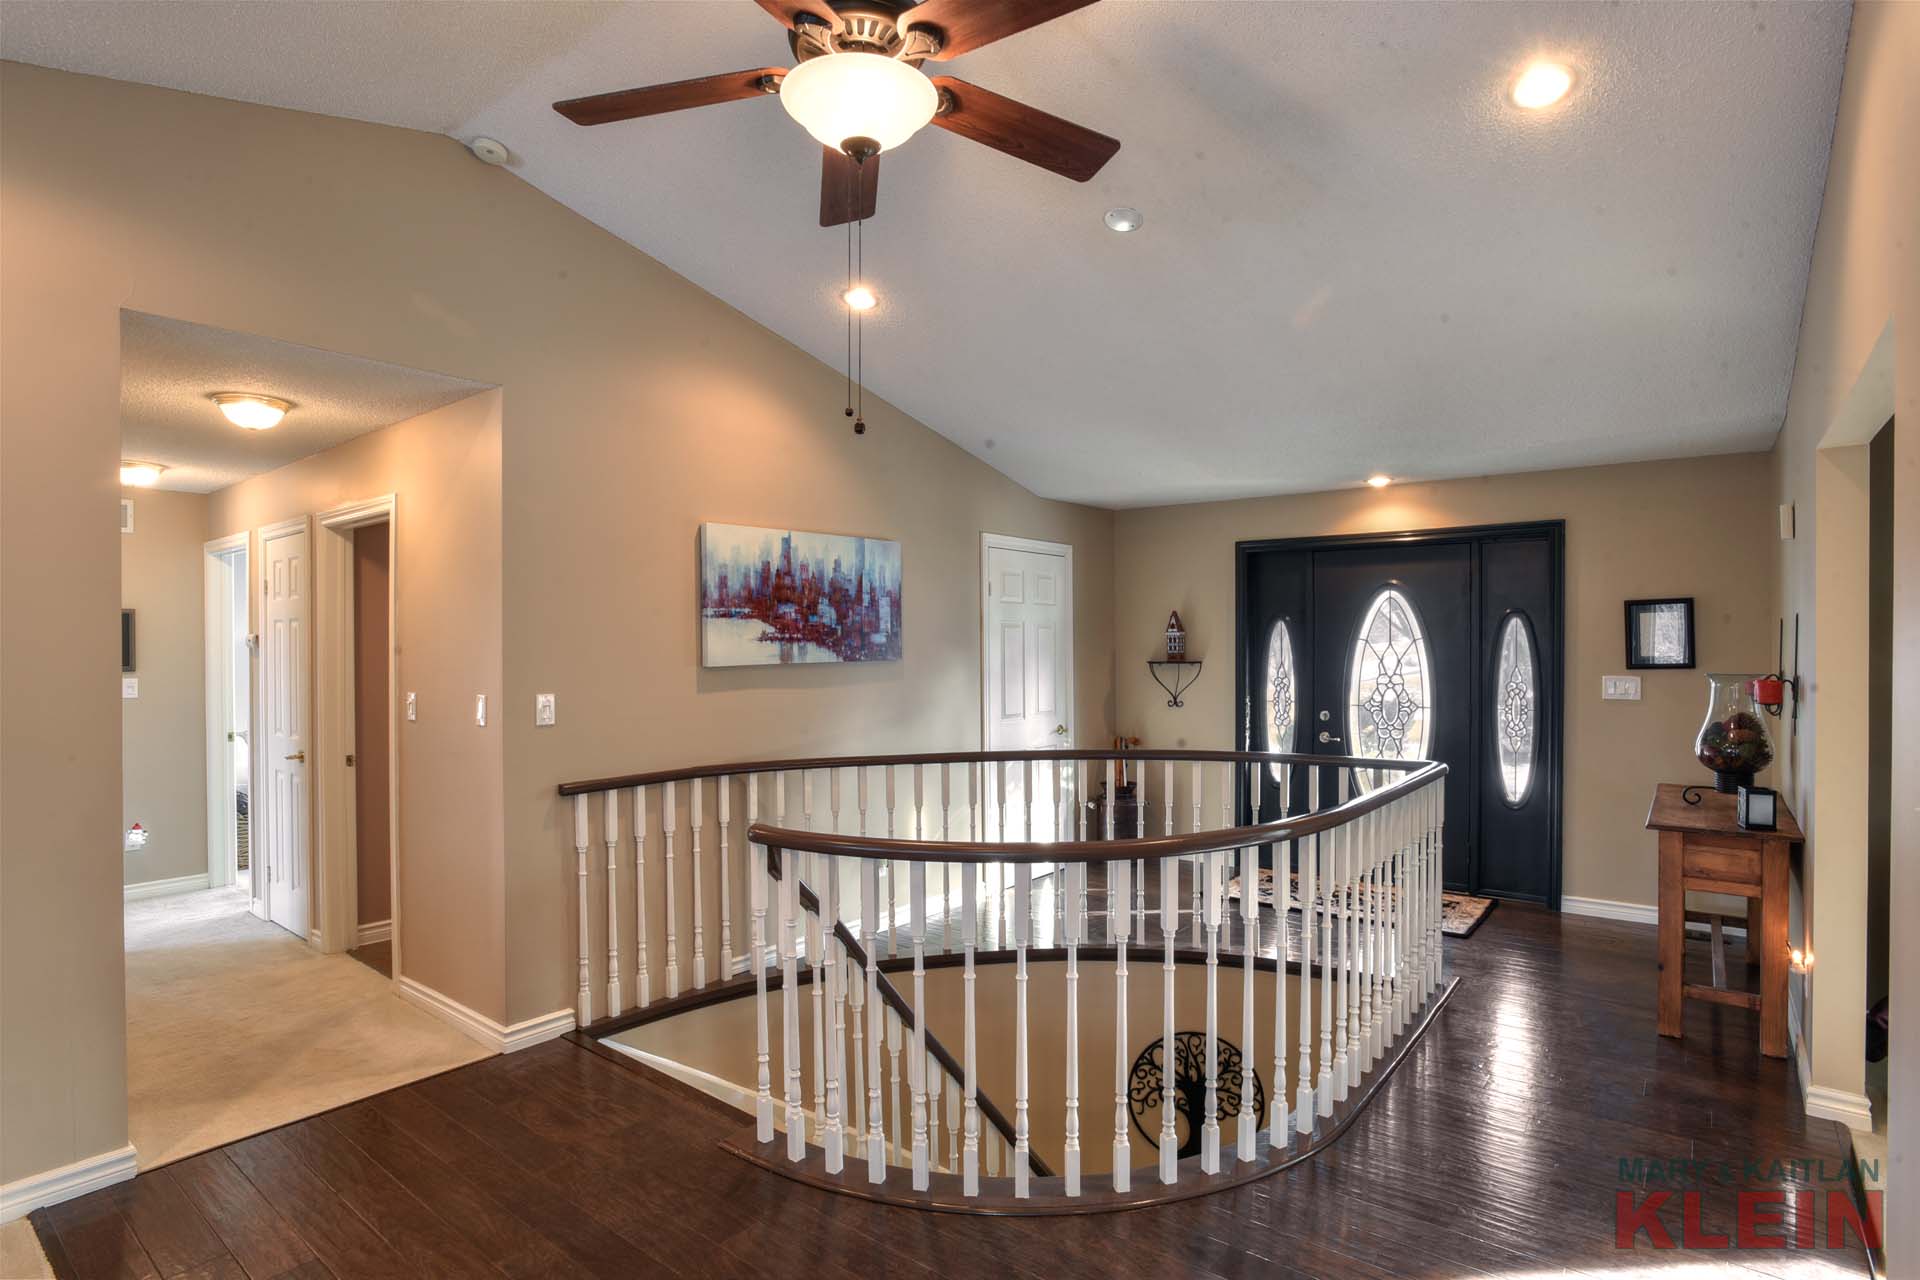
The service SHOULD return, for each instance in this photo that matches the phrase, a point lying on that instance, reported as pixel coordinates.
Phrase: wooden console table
(1703, 848)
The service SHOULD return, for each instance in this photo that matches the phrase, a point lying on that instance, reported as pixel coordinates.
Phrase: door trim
(218, 569)
(336, 875)
(1554, 531)
(1011, 542)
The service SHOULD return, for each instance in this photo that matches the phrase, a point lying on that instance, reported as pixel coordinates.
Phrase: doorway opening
(1441, 645)
(229, 683)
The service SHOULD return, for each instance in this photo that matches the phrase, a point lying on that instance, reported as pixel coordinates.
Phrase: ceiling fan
(859, 88)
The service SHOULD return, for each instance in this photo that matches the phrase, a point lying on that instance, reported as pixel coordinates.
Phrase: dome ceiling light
(140, 475)
(253, 412)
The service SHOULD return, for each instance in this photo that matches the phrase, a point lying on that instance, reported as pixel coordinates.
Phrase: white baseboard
(38, 1190)
(368, 934)
(734, 1095)
(1853, 1110)
(1632, 913)
(165, 888)
(496, 1036)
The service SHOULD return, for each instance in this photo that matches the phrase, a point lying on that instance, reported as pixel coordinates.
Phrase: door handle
(1327, 737)
(301, 756)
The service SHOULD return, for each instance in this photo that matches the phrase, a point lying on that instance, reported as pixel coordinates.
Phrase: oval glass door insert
(1390, 694)
(1282, 722)
(1516, 709)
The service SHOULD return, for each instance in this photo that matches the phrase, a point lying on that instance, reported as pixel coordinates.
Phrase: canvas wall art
(774, 596)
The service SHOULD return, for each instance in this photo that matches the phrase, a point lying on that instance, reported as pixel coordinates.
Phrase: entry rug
(1460, 913)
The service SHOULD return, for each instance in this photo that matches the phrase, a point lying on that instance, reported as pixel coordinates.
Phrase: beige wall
(1865, 283)
(163, 731)
(443, 469)
(1696, 527)
(634, 406)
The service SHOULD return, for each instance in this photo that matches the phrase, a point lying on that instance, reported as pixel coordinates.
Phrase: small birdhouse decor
(1176, 638)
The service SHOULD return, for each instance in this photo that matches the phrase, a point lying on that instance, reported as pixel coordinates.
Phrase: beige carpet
(235, 1026)
(21, 1257)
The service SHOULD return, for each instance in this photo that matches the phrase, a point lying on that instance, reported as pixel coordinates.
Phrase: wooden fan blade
(653, 100)
(785, 10)
(965, 25)
(1024, 132)
(847, 190)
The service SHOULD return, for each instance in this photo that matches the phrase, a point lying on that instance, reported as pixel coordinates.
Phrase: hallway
(235, 1026)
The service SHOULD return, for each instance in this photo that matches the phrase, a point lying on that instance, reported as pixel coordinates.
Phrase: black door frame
(1554, 531)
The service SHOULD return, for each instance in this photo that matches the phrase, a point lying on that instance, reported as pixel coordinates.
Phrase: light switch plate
(1786, 522)
(413, 706)
(480, 709)
(542, 710)
(129, 686)
(1620, 688)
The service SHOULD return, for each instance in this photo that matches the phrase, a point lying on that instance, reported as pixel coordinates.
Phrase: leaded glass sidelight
(1516, 709)
(1390, 697)
(1282, 699)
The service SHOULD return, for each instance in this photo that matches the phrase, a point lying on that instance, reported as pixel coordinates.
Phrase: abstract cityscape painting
(774, 596)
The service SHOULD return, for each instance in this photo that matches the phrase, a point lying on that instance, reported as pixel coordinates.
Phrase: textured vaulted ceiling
(1358, 256)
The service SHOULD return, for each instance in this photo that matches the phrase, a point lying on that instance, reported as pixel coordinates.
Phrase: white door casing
(1027, 652)
(285, 660)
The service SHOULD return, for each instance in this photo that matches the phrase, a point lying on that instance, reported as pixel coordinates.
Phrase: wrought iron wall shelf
(1183, 672)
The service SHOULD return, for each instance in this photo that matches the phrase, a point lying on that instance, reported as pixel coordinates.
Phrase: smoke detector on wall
(489, 151)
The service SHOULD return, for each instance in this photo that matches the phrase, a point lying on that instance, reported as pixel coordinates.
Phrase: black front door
(1438, 646)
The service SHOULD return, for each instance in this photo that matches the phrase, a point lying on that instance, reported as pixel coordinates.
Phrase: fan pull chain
(860, 332)
(849, 309)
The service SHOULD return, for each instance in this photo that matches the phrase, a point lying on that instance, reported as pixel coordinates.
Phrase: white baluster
(1121, 874)
(1250, 922)
(1169, 930)
(1344, 991)
(816, 931)
(833, 1136)
(900, 1142)
(1210, 1133)
(1439, 861)
(1112, 814)
(953, 1125)
(1061, 825)
(667, 815)
(643, 983)
(611, 834)
(699, 908)
(1279, 1134)
(583, 1013)
(970, 1163)
(1000, 868)
(893, 883)
(917, 1066)
(1361, 838)
(869, 918)
(1316, 899)
(1199, 860)
(946, 868)
(726, 881)
(1140, 833)
(1022, 889)
(757, 906)
(856, 1107)
(790, 1001)
(930, 1072)
(1076, 924)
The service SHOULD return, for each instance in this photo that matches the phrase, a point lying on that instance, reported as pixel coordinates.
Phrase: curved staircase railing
(1354, 929)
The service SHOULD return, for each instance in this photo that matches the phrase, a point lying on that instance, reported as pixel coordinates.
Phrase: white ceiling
(169, 368)
(1358, 256)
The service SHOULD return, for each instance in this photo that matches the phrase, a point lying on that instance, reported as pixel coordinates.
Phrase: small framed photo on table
(1660, 633)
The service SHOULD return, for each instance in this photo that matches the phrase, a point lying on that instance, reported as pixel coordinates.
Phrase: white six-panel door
(285, 636)
(1028, 636)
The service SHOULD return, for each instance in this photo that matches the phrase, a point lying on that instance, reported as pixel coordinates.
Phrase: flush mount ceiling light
(1123, 219)
(255, 413)
(859, 102)
(139, 475)
(860, 298)
(1541, 85)
(1379, 481)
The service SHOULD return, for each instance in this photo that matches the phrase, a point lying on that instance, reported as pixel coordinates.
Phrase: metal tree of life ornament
(1390, 697)
(1147, 1087)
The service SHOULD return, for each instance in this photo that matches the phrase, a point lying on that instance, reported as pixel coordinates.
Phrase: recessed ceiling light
(1542, 85)
(860, 298)
(1379, 481)
(140, 475)
(255, 413)
(1123, 219)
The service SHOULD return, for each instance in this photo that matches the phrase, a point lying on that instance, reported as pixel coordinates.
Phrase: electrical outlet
(1620, 688)
(542, 710)
(413, 706)
(480, 709)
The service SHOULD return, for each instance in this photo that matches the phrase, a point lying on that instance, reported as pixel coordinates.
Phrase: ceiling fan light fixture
(139, 475)
(253, 412)
(842, 96)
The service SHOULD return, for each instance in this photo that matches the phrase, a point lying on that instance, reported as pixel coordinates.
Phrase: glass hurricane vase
(1733, 740)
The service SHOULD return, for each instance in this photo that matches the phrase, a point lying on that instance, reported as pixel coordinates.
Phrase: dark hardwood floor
(1495, 1150)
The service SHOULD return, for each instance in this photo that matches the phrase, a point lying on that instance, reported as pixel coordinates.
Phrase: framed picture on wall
(126, 641)
(776, 596)
(1660, 633)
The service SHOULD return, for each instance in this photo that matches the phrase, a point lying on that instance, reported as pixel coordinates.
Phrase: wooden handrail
(895, 1000)
(1117, 849)
(591, 785)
